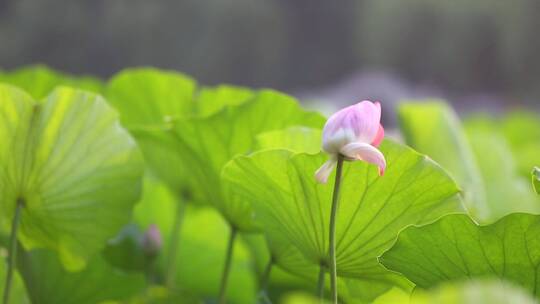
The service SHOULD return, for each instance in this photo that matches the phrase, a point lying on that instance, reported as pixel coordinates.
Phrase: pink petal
(367, 153)
(363, 119)
(325, 170)
(379, 137)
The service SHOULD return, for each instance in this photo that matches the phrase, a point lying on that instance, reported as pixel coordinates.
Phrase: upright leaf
(433, 128)
(522, 130)
(72, 166)
(295, 209)
(205, 144)
(455, 248)
(147, 96)
(506, 190)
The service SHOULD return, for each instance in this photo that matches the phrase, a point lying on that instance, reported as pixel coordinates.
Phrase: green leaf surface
(522, 130)
(297, 139)
(535, 176)
(467, 292)
(205, 144)
(295, 209)
(48, 282)
(201, 246)
(506, 190)
(71, 163)
(433, 128)
(39, 80)
(210, 100)
(148, 96)
(455, 248)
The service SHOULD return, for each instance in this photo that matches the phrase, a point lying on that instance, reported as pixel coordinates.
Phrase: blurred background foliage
(477, 53)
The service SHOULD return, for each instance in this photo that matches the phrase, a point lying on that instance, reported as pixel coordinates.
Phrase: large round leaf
(205, 144)
(477, 156)
(455, 248)
(147, 96)
(433, 128)
(373, 209)
(73, 167)
(502, 180)
(522, 130)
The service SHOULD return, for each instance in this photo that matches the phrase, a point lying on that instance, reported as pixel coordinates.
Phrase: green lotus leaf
(149, 96)
(456, 248)
(500, 173)
(201, 246)
(297, 139)
(467, 292)
(39, 80)
(211, 100)
(522, 130)
(535, 175)
(48, 282)
(373, 209)
(433, 128)
(205, 144)
(160, 148)
(71, 166)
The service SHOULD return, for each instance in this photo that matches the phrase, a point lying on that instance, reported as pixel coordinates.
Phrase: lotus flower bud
(354, 132)
(151, 241)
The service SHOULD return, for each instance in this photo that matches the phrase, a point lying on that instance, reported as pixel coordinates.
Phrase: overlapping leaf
(205, 144)
(433, 128)
(506, 190)
(455, 248)
(522, 130)
(74, 168)
(478, 156)
(373, 210)
(149, 96)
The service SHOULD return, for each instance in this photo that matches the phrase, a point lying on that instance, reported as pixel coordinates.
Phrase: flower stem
(227, 267)
(320, 283)
(175, 238)
(332, 237)
(12, 249)
(265, 278)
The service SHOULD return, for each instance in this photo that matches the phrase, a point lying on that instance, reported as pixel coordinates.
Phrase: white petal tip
(324, 171)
